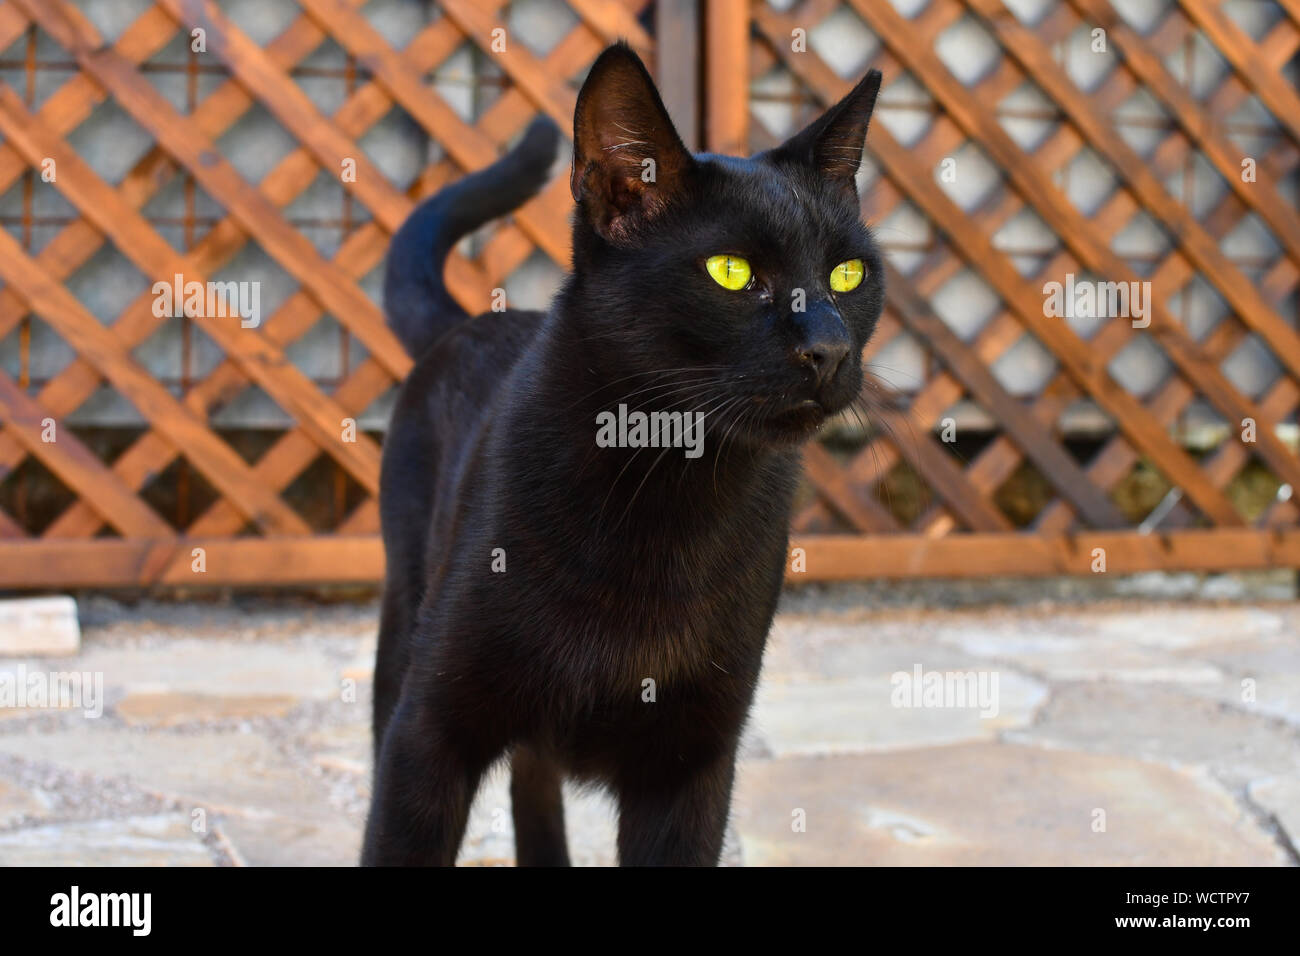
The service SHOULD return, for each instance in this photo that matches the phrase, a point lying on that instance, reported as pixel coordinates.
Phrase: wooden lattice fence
(718, 61)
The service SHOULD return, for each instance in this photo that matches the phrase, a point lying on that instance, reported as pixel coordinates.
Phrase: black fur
(418, 306)
(623, 565)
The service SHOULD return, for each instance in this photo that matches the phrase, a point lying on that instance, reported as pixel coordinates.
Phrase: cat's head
(744, 288)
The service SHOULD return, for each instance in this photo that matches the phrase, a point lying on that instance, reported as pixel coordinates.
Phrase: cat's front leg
(425, 781)
(677, 820)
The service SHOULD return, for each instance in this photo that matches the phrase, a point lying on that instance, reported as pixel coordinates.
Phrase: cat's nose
(823, 358)
(823, 343)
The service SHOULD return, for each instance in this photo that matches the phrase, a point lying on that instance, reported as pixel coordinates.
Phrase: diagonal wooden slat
(75, 383)
(1292, 7)
(71, 104)
(76, 466)
(9, 528)
(294, 451)
(291, 453)
(994, 464)
(1240, 51)
(549, 93)
(942, 473)
(78, 252)
(74, 100)
(1117, 458)
(1037, 443)
(862, 511)
(613, 20)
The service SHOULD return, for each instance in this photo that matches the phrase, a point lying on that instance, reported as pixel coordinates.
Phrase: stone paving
(1121, 732)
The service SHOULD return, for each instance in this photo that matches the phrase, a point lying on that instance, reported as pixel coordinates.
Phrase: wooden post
(677, 65)
(726, 76)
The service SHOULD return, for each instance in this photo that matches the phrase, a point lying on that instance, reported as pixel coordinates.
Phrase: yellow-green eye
(847, 276)
(730, 272)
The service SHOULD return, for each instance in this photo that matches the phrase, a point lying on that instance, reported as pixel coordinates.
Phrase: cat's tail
(417, 303)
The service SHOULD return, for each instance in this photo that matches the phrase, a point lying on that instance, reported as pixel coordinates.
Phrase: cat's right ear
(628, 161)
(832, 144)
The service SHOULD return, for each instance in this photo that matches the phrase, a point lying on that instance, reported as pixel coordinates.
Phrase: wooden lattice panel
(250, 534)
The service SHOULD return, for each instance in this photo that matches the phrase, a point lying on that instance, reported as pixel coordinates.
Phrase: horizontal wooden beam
(329, 559)
(848, 557)
(194, 562)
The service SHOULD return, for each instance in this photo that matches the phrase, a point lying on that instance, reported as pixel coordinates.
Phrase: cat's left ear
(628, 161)
(832, 144)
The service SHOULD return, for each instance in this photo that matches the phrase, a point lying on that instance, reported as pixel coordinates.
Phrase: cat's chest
(667, 620)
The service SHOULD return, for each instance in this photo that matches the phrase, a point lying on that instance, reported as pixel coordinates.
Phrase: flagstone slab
(1164, 724)
(277, 840)
(834, 685)
(1175, 628)
(1280, 797)
(990, 804)
(217, 668)
(860, 715)
(232, 772)
(1123, 643)
(809, 646)
(19, 803)
(159, 840)
(1262, 677)
(1157, 645)
(590, 821)
(170, 709)
(1086, 658)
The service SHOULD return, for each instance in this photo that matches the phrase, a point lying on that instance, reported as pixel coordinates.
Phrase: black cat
(600, 612)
